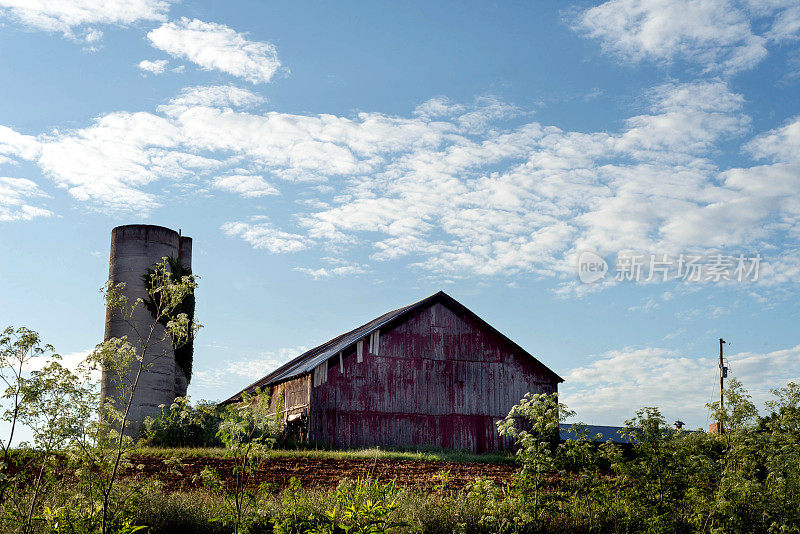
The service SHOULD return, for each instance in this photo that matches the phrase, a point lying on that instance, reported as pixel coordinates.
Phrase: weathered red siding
(440, 379)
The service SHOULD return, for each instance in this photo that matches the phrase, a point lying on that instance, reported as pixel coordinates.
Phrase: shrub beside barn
(429, 374)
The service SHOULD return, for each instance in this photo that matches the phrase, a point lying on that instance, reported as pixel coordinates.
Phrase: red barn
(429, 374)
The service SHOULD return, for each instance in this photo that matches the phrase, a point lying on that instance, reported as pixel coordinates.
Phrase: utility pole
(723, 372)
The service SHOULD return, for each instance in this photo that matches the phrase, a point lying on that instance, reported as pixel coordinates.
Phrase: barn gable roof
(310, 359)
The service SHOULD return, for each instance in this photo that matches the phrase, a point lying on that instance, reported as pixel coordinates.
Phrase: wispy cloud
(718, 35)
(219, 96)
(229, 375)
(15, 195)
(672, 335)
(441, 190)
(649, 305)
(17, 146)
(75, 18)
(247, 185)
(337, 267)
(610, 389)
(263, 235)
(215, 46)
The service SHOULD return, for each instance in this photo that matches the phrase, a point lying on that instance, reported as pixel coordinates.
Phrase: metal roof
(605, 433)
(307, 361)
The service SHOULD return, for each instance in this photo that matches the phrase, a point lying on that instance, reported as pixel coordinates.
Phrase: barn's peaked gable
(311, 359)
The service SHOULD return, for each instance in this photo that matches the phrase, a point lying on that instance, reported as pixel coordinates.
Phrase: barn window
(341, 363)
(360, 351)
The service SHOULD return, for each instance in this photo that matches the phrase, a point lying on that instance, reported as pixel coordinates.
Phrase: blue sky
(335, 160)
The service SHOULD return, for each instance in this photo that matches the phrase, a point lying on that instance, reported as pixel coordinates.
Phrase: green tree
(47, 398)
(20, 348)
(782, 479)
(249, 431)
(653, 479)
(738, 504)
(533, 424)
(738, 411)
(56, 408)
(105, 447)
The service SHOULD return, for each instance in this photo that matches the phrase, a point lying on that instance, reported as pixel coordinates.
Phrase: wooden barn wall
(295, 396)
(439, 380)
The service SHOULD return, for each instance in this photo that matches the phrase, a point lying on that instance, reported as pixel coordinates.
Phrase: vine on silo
(184, 352)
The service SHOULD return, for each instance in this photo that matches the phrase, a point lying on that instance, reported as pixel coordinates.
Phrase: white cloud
(718, 35)
(15, 194)
(684, 120)
(610, 389)
(73, 361)
(93, 35)
(156, 66)
(16, 145)
(484, 111)
(782, 144)
(452, 197)
(111, 161)
(785, 26)
(263, 235)
(339, 268)
(233, 374)
(559, 190)
(784, 268)
(438, 106)
(223, 96)
(73, 18)
(215, 46)
(246, 185)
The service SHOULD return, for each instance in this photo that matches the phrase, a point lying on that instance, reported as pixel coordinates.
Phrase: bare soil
(319, 472)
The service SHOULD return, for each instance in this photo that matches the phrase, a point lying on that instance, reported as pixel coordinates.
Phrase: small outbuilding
(432, 373)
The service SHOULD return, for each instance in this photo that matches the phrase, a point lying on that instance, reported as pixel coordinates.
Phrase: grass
(350, 454)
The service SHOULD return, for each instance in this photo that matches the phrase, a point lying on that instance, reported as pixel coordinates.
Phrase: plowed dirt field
(320, 472)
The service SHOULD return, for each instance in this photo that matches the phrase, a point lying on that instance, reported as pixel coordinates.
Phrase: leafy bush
(185, 425)
(533, 424)
(248, 431)
(298, 512)
(361, 506)
(746, 479)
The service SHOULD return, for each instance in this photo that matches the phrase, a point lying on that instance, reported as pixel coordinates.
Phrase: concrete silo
(134, 249)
